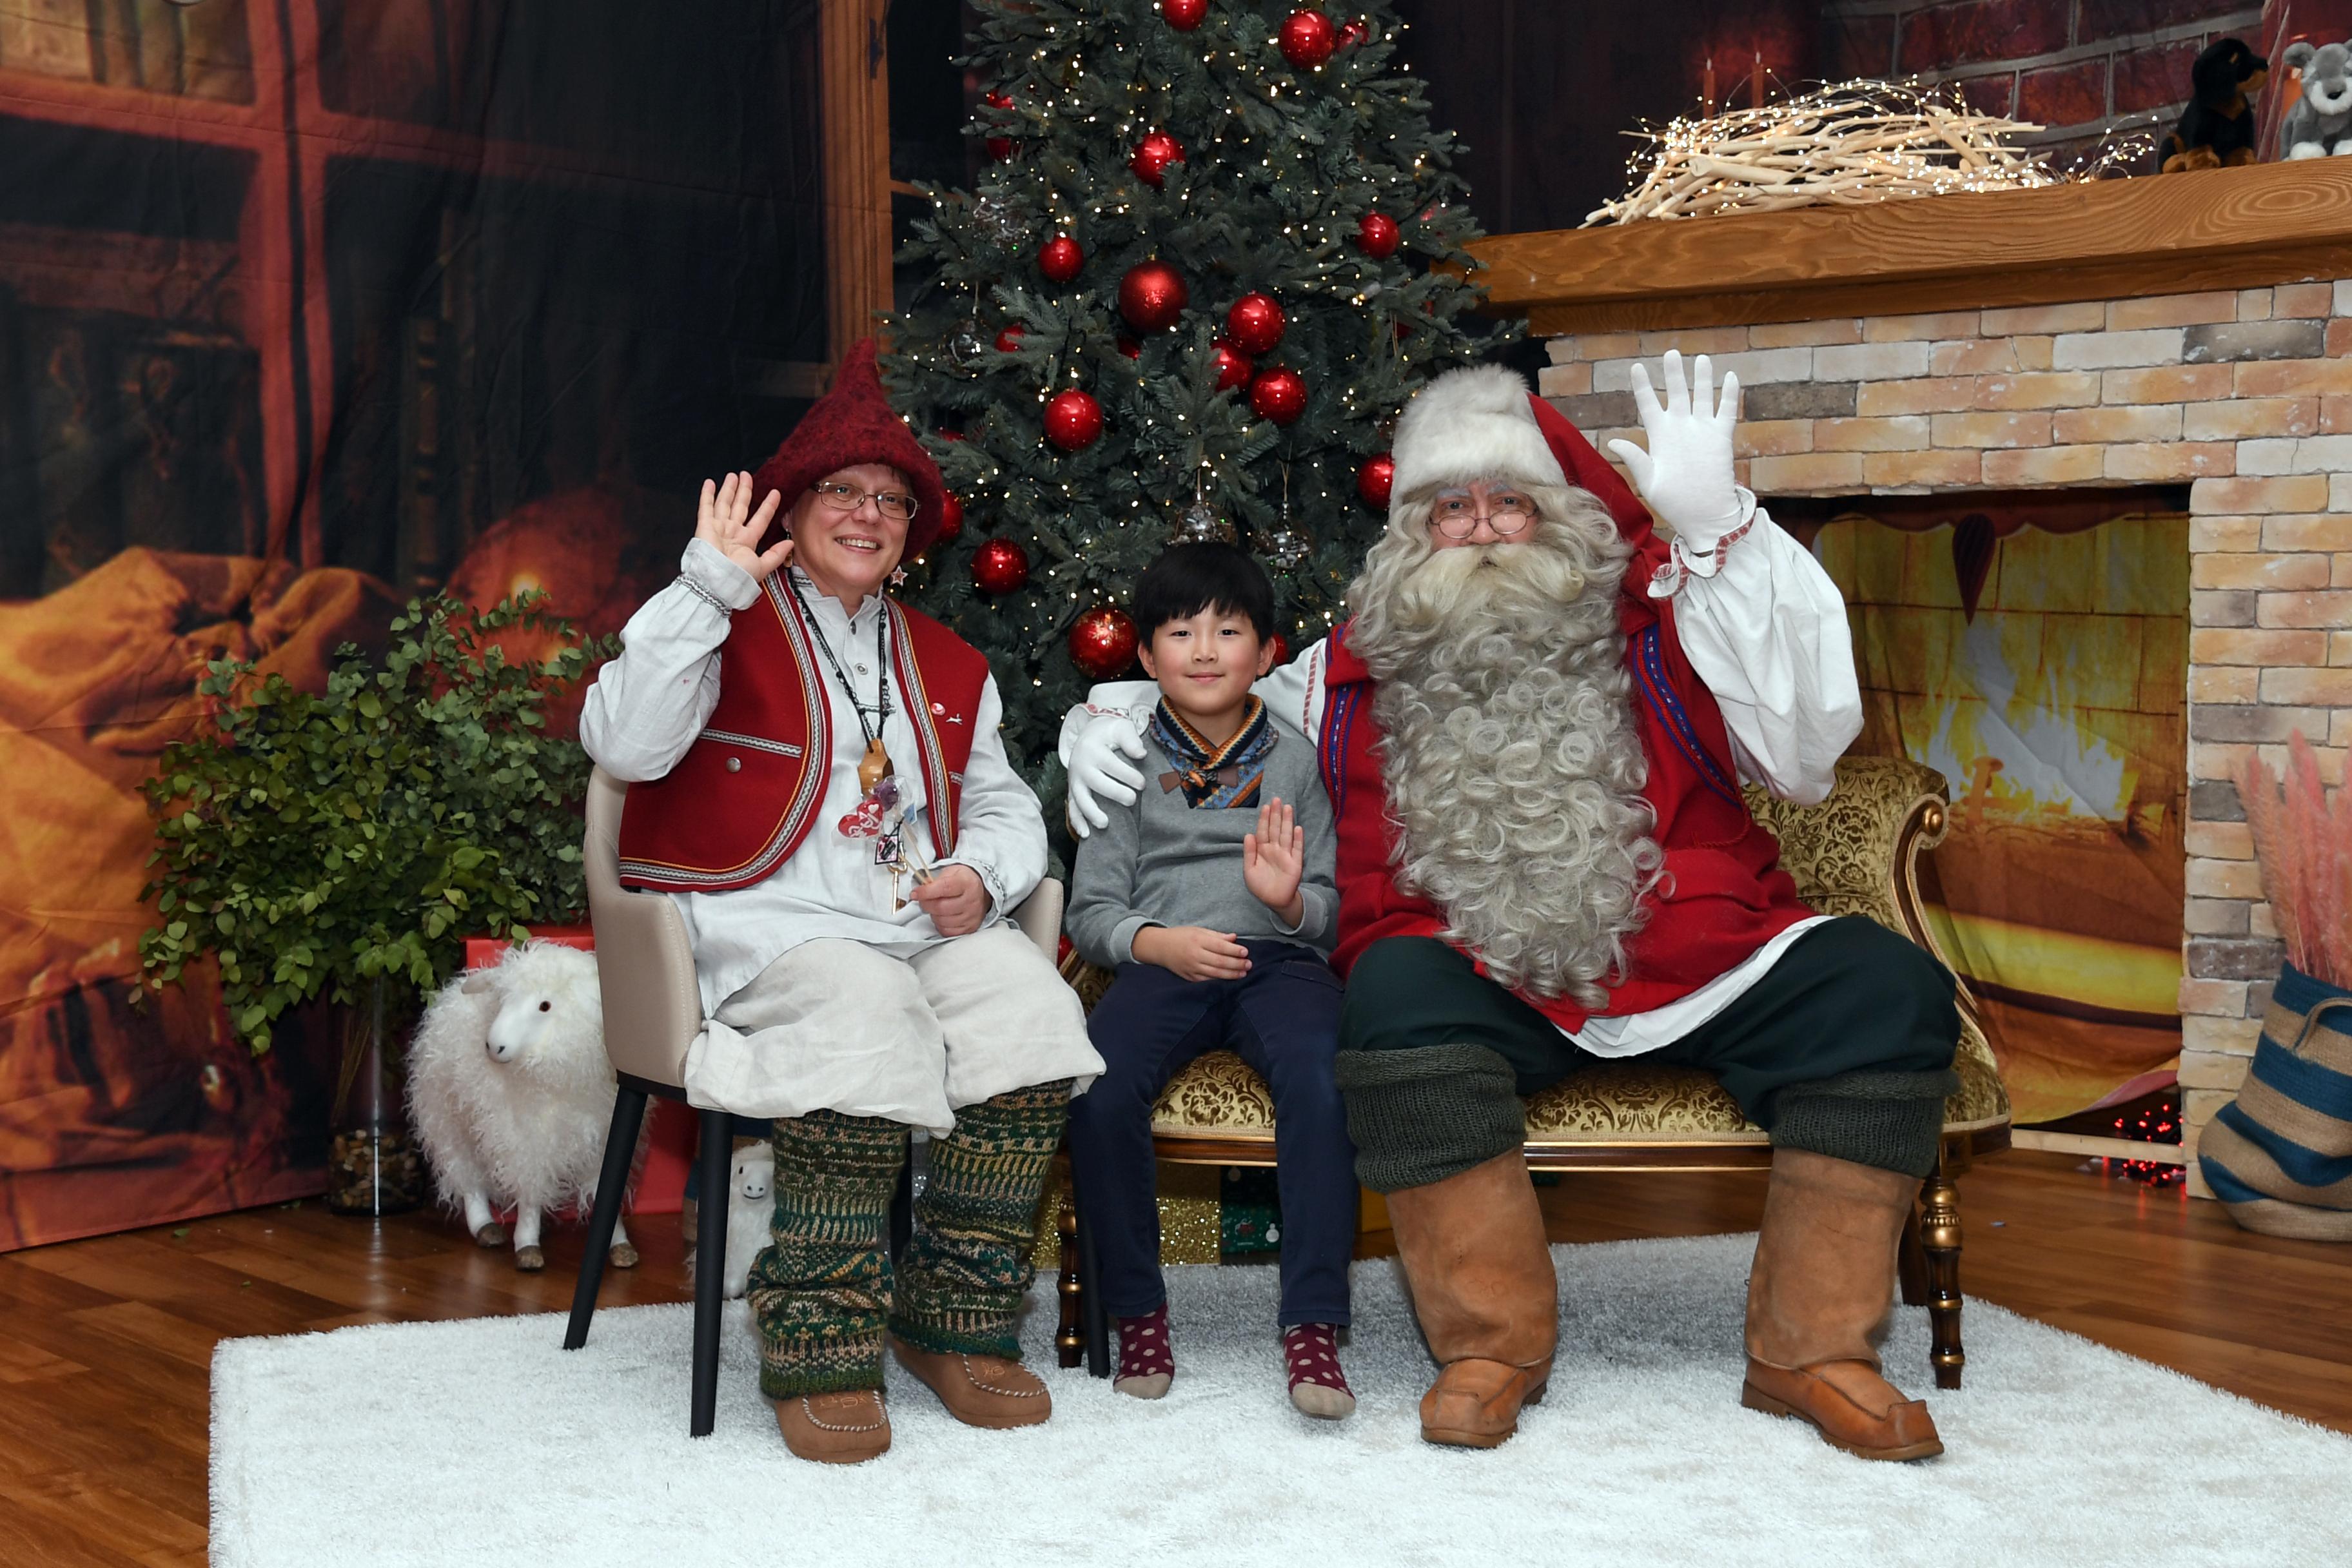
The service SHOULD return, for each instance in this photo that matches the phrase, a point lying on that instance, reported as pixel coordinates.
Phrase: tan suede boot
(1483, 1286)
(1822, 1286)
(845, 1429)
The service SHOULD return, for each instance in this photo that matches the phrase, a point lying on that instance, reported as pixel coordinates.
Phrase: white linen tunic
(1768, 634)
(643, 711)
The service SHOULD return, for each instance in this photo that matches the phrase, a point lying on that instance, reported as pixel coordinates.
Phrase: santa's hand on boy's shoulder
(1192, 952)
(1092, 750)
(1275, 858)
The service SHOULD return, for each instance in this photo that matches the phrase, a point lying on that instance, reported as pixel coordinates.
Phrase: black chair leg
(611, 1186)
(716, 1159)
(902, 1209)
(1097, 1317)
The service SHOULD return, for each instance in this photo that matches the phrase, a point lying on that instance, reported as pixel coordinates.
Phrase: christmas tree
(1215, 250)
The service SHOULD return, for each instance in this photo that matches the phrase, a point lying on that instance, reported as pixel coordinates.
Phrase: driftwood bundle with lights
(1847, 145)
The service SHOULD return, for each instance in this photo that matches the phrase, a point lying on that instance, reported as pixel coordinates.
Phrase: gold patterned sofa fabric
(1855, 854)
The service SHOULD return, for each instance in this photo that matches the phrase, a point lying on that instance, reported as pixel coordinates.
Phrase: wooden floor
(104, 1344)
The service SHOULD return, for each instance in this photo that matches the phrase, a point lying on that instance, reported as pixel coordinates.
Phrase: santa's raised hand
(1685, 476)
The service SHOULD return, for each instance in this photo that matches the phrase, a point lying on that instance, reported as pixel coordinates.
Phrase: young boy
(1212, 897)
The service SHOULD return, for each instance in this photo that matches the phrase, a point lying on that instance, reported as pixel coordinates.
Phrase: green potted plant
(343, 844)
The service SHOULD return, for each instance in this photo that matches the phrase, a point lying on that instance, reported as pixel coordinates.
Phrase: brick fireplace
(2031, 358)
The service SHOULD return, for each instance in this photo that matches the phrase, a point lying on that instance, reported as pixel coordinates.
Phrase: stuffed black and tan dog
(2217, 129)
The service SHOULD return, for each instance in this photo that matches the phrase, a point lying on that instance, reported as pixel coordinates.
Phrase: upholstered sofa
(1856, 853)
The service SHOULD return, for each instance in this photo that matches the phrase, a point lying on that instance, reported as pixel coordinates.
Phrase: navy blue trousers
(1283, 1019)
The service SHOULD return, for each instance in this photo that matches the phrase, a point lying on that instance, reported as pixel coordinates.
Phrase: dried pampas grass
(1847, 145)
(2303, 841)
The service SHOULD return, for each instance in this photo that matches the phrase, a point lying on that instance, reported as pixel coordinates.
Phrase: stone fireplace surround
(2018, 347)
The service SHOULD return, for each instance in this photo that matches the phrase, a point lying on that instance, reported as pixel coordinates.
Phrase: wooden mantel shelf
(2222, 228)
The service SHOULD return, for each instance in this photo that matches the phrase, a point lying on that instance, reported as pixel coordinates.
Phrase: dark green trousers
(1844, 1047)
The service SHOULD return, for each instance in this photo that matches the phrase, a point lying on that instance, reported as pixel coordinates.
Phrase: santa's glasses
(1457, 513)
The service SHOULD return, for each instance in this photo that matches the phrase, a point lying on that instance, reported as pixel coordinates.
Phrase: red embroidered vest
(744, 796)
(1723, 894)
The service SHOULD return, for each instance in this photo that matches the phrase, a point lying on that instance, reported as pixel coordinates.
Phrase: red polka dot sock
(1317, 1386)
(1147, 1358)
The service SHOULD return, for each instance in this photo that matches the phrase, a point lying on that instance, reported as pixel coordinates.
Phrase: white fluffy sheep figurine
(512, 1094)
(750, 1212)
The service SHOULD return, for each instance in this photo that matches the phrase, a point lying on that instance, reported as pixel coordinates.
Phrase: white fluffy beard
(1512, 767)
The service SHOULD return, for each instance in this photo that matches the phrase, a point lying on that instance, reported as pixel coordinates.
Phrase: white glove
(1686, 475)
(1092, 743)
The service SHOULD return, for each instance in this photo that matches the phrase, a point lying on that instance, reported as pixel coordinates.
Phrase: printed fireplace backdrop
(2033, 648)
(305, 305)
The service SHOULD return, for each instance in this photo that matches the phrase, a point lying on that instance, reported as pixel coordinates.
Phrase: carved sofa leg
(1069, 1337)
(1939, 1242)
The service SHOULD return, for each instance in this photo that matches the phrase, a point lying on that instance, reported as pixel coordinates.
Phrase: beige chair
(653, 1011)
(1856, 853)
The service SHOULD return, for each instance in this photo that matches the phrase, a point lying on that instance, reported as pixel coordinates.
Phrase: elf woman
(817, 781)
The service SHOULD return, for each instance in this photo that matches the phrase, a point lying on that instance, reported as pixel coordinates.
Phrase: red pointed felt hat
(854, 422)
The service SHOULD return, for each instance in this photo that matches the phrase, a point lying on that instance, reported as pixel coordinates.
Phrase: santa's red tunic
(1722, 894)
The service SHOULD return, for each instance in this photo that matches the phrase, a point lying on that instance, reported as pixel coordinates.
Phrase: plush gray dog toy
(2320, 123)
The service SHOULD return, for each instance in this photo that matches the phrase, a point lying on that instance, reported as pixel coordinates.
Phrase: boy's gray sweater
(1162, 862)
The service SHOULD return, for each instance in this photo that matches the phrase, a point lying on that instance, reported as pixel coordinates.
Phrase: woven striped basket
(2279, 1155)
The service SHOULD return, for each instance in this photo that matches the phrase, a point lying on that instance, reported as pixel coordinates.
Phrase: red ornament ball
(1378, 236)
(1281, 646)
(1184, 15)
(950, 516)
(1152, 156)
(1131, 348)
(1009, 338)
(1375, 480)
(999, 566)
(1060, 259)
(1354, 31)
(1279, 395)
(1254, 324)
(1234, 367)
(1308, 38)
(1073, 419)
(1151, 296)
(1102, 641)
(1000, 146)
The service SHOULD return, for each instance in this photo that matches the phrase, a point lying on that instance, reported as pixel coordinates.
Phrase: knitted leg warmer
(1893, 1120)
(964, 1272)
(821, 1289)
(1420, 1115)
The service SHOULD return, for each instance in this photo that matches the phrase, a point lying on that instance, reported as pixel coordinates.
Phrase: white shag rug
(483, 1442)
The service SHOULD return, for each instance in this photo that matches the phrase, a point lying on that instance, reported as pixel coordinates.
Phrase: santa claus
(1533, 732)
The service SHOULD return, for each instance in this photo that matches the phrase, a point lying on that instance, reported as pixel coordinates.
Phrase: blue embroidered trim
(1338, 723)
(1650, 659)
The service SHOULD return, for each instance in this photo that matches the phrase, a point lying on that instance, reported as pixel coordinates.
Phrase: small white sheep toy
(511, 1095)
(750, 1212)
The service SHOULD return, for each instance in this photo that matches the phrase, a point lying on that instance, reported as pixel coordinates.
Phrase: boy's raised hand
(1273, 859)
(1192, 952)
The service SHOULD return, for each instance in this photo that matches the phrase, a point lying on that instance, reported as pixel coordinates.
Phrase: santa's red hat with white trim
(1482, 423)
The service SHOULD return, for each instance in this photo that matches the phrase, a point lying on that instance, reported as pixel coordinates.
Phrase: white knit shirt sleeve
(1000, 825)
(1295, 692)
(1768, 634)
(647, 705)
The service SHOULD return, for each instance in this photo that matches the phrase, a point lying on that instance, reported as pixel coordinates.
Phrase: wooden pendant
(873, 768)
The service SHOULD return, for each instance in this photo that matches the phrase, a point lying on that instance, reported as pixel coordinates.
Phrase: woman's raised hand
(727, 522)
